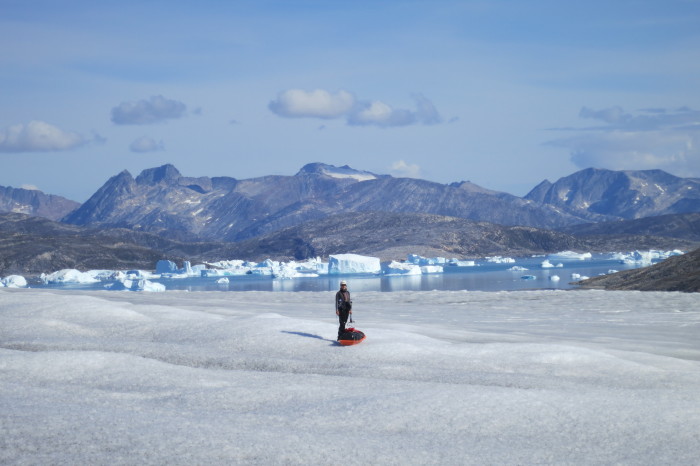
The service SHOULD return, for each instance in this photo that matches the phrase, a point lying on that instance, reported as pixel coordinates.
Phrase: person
(343, 306)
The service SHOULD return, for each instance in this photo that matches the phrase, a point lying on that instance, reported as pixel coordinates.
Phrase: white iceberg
(402, 268)
(136, 285)
(500, 260)
(223, 281)
(570, 255)
(342, 264)
(68, 276)
(461, 263)
(420, 260)
(517, 268)
(644, 258)
(14, 281)
(554, 278)
(546, 264)
(426, 269)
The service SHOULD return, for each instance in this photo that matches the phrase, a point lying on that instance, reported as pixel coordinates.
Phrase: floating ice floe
(135, 285)
(422, 261)
(342, 264)
(167, 268)
(644, 258)
(554, 278)
(339, 264)
(500, 260)
(548, 265)
(65, 276)
(570, 255)
(459, 263)
(402, 268)
(14, 281)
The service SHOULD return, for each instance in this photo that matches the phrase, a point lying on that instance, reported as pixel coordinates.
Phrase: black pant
(343, 315)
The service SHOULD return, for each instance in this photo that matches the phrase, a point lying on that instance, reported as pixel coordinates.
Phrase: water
(485, 276)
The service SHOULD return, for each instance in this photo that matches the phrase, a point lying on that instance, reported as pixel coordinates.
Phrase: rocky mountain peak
(337, 172)
(166, 173)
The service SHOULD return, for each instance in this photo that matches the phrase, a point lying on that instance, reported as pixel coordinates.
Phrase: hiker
(343, 306)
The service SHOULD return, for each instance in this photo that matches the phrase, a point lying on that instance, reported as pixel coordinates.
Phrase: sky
(501, 93)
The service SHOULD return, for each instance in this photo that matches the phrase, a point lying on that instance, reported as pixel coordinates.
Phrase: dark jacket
(342, 301)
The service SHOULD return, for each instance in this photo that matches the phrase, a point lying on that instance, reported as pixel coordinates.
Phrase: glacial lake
(484, 276)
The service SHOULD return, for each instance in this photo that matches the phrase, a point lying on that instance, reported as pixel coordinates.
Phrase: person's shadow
(311, 335)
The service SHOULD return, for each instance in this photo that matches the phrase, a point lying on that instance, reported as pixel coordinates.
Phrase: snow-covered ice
(13, 281)
(537, 377)
(345, 264)
(570, 255)
(402, 268)
(500, 260)
(69, 276)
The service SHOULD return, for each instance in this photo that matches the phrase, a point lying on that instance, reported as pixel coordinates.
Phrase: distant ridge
(160, 200)
(684, 226)
(612, 195)
(35, 202)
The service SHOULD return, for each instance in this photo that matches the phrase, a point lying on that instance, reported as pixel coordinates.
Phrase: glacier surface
(469, 378)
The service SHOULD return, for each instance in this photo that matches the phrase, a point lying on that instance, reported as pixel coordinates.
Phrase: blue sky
(501, 93)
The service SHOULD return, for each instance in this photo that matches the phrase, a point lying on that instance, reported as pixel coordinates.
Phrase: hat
(343, 283)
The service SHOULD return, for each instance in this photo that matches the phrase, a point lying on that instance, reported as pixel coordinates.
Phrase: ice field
(444, 377)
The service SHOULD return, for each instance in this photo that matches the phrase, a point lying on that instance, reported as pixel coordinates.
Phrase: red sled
(351, 336)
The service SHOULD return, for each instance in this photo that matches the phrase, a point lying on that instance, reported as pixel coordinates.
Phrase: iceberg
(341, 264)
(431, 269)
(420, 260)
(14, 281)
(570, 255)
(554, 278)
(135, 285)
(166, 266)
(402, 268)
(644, 258)
(68, 276)
(546, 264)
(517, 268)
(222, 281)
(500, 260)
(461, 263)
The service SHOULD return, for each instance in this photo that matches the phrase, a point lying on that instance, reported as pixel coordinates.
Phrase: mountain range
(162, 201)
(325, 209)
(612, 195)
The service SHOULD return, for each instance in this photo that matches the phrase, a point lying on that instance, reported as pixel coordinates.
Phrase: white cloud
(380, 114)
(146, 144)
(143, 112)
(426, 112)
(402, 169)
(297, 103)
(667, 140)
(38, 136)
